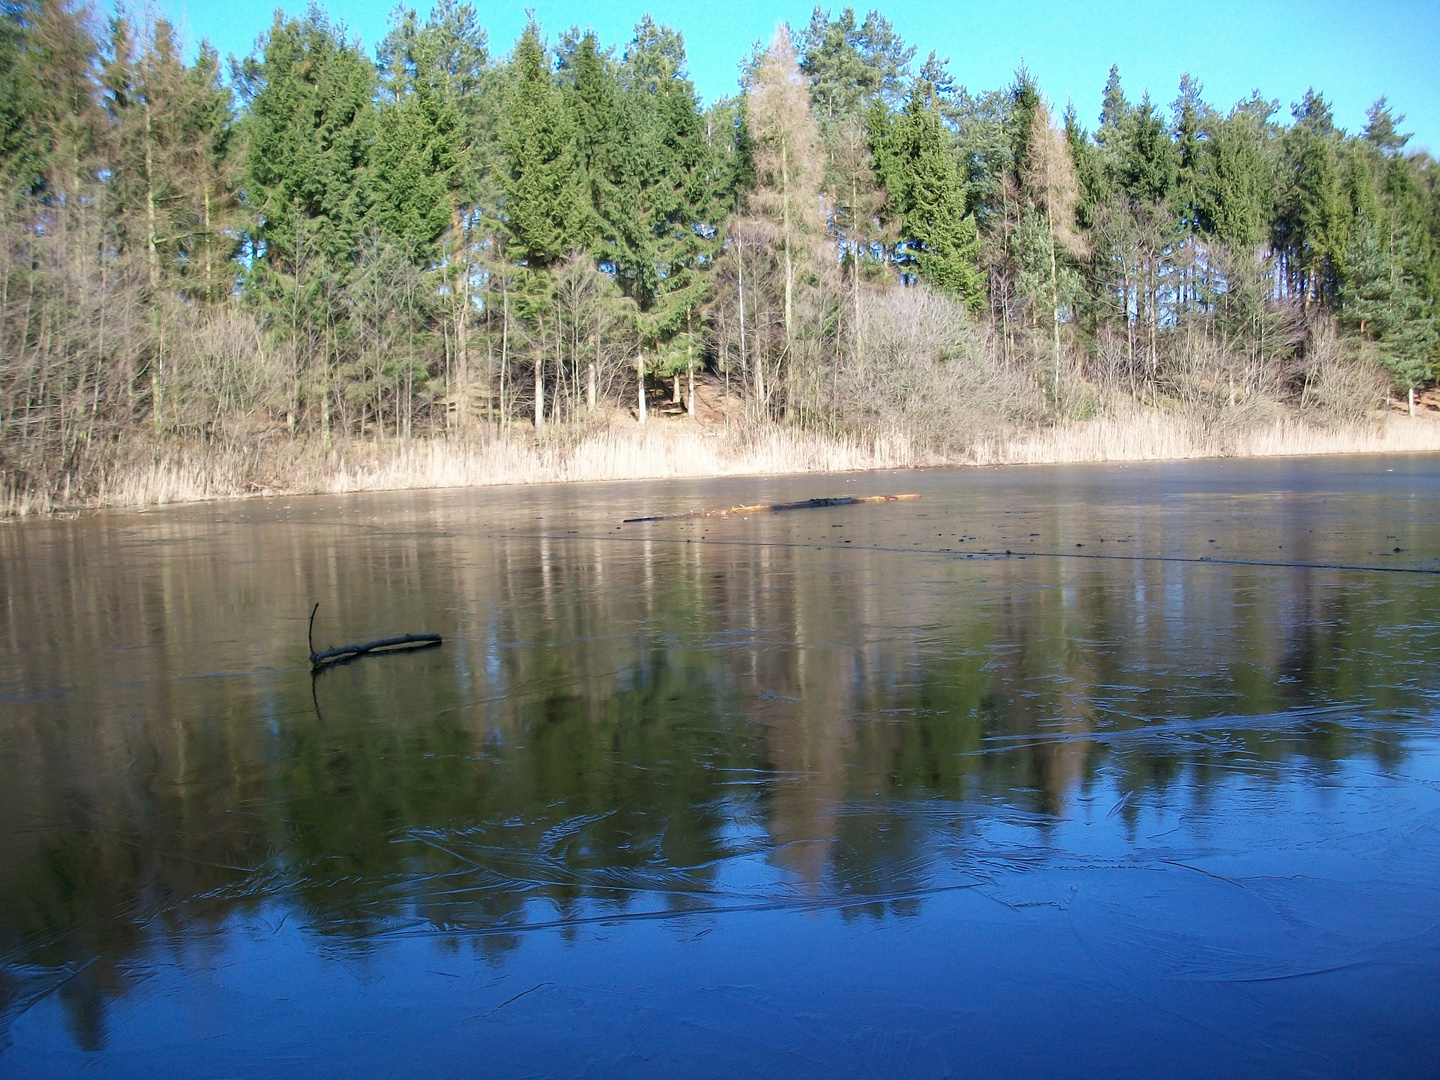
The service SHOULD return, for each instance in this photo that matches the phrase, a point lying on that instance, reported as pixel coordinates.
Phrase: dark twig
(330, 657)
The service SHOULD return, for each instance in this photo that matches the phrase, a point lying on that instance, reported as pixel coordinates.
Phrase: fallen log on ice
(330, 657)
(807, 504)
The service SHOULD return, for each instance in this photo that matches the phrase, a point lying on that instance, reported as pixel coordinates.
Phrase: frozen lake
(835, 792)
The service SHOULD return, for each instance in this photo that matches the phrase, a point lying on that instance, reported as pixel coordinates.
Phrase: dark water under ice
(825, 793)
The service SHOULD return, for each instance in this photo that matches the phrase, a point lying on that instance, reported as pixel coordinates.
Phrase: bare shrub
(1344, 381)
(927, 373)
(1214, 387)
(229, 379)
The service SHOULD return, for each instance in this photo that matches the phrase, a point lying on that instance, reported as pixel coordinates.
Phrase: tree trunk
(555, 416)
(209, 250)
(762, 403)
(461, 390)
(855, 264)
(640, 377)
(789, 263)
(690, 369)
(540, 380)
(1055, 310)
(504, 344)
(152, 259)
(592, 391)
(740, 268)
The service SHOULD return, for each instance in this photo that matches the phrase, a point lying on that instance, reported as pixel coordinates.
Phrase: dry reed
(668, 449)
(617, 454)
(1160, 437)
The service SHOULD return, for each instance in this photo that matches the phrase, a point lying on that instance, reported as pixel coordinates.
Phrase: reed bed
(617, 454)
(669, 449)
(1160, 437)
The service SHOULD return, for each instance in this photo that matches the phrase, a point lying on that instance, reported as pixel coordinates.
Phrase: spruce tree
(440, 71)
(23, 156)
(1368, 297)
(419, 143)
(62, 138)
(927, 199)
(672, 196)
(170, 191)
(593, 101)
(1313, 220)
(1191, 120)
(544, 205)
(1113, 107)
(850, 65)
(309, 127)
(1238, 181)
(1147, 159)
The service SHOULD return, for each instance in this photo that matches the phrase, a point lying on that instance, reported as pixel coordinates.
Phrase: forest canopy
(434, 238)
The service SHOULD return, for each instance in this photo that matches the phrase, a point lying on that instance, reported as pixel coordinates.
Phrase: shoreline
(680, 449)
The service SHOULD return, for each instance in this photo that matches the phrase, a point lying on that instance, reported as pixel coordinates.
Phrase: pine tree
(1114, 109)
(676, 200)
(23, 150)
(927, 199)
(851, 65)
(309, 127)
(1147, 165)
(544, 207)
(1313, 220)
(419, 143)
(1382, 129)
(1238, 181)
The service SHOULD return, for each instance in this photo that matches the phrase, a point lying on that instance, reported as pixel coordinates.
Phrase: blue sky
(1352, 52)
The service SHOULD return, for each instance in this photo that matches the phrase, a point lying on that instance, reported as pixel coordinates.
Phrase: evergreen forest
(320, 245)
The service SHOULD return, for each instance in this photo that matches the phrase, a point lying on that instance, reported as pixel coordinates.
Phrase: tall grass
(614, 454)
(668, 449)
(1159, 437)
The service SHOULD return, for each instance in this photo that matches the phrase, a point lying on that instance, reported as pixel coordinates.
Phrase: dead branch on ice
(807, 504)
(329, 657)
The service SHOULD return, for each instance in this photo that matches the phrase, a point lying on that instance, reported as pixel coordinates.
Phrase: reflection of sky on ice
(1288, 924)
(745, 805)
